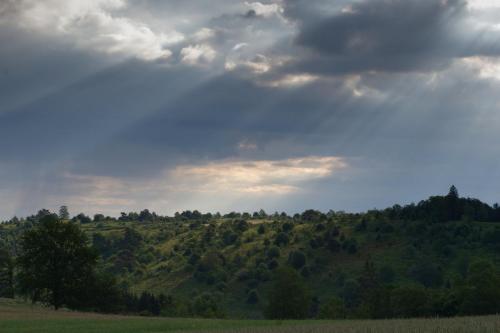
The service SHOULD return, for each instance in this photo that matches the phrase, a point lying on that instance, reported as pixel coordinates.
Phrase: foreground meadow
(16, 317)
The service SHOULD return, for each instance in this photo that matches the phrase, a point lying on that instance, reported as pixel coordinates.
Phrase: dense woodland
(440, 257)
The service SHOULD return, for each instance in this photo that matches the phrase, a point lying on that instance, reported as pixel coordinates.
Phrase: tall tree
(289, 297)
(6, 274)
(63, 213)
(452, 202)
(453, 192)
(56, 263)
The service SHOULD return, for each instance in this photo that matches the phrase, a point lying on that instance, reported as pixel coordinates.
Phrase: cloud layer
(111, 105)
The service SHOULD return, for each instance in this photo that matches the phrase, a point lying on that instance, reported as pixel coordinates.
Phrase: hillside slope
(231, 259)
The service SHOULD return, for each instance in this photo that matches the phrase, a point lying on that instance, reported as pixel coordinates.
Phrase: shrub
(253, 297)
(281, 239)
(297, 259)
(333, 309)
(410, 301)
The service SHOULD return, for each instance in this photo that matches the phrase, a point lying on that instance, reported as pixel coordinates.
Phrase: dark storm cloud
(208, 123)
(89, 110)
(393, 36)
(74, 112)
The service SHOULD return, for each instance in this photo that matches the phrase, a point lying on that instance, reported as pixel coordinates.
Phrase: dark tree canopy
(453, 193)
(56, 264)
(289, 297)
(6, 274)
(63, 213)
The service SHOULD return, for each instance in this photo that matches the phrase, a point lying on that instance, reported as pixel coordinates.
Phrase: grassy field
(16, 317)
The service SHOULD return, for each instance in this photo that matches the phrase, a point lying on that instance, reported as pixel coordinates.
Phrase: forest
(439, 257)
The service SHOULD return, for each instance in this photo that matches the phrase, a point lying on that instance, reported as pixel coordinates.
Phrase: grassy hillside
(229, 260)
(16, 317)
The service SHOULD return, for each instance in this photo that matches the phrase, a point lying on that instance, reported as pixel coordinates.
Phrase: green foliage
(6, 274)
(412, 246)
(81, 218)
(410, 301)
(427, 273)
(350, 246)
(206, 306)
(63, 213)
(333, 309)
(351, 294)
(297, 259)
(289, 297)
(253, 297)
(282, 239)
(273, 252)
(482, 292)
(56, 264)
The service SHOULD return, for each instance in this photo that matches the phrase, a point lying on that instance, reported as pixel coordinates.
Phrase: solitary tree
(56, 264)
(289, 298)
(63, 213)
(453, 193)
(453, 204)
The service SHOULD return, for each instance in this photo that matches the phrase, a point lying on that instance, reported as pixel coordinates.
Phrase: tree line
(55, 263)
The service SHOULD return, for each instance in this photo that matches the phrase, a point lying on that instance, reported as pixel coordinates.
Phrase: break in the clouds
(115, 105)
(206, 185)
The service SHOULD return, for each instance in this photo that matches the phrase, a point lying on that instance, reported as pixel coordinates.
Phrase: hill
(223, 265)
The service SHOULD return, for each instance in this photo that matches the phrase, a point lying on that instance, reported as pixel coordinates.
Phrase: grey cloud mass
(240, 105)
(395, 35)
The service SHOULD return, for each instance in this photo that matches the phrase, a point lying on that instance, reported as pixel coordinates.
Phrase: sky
(226, 105)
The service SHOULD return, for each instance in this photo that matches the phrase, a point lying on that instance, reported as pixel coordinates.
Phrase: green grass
(17, 317)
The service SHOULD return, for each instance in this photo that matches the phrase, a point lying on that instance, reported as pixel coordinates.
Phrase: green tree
(297, 259)
(410, 301)
(253, 297)
(6, 274)
(373, 296)
(289, 297)
(453, 192)
(56, 263)
(64, 213)
(427, 273)
(206, 306)
(281, 239)
(482, 294)
(333, 309)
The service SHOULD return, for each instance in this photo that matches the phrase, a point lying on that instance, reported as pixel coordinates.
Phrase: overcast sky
(227, 105)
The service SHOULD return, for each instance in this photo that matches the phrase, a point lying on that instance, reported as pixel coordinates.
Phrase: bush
(410, 301)
(229, 237)
(253, 297)
(333, 245)
(287, 227)
(273, 264)
(305, 272)
(273, 252)
(427, 273)
(297, 259)
(281, 239)
(205, 305)
(386, 274)
(333, 309)
(350, 246)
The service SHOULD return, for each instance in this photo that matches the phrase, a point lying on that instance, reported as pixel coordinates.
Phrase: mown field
(17, 317)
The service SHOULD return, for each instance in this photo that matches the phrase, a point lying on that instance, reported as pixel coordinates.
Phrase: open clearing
(17, 317)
